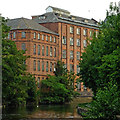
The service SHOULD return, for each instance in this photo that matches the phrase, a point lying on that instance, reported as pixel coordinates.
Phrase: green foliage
(58, 88)
(60, 70)
(100, 61)
(106, 104)
(17, 86)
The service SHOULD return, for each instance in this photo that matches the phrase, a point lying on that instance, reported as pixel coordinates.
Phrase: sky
(83, 8)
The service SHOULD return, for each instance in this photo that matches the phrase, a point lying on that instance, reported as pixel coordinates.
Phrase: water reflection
(55, 111)
(45, 111)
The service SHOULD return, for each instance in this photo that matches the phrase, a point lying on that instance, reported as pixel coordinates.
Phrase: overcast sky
(26, 8)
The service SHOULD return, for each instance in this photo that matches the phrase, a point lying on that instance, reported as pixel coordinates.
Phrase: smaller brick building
(40, 43)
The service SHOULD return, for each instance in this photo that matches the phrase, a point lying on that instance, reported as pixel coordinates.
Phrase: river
(45, 111)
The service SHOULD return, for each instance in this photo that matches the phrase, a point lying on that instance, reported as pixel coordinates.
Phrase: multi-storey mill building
(73, 32)
(55, 35)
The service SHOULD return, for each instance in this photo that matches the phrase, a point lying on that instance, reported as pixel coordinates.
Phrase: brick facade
(71, 33)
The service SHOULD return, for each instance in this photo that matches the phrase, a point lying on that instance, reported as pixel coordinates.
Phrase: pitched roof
(55, 17)
(24, 23)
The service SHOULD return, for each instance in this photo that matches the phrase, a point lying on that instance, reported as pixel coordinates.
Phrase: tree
(58, 88)
(16, 82)
(100, 61)
(106, 104)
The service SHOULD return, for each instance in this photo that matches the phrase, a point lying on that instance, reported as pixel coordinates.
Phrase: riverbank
(68, 110)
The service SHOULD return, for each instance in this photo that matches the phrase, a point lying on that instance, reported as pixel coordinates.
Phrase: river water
(45, 111)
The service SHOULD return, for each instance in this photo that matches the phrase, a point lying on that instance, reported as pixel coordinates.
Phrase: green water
(45, 111)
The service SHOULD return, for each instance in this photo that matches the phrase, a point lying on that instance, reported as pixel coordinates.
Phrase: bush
(106, 104)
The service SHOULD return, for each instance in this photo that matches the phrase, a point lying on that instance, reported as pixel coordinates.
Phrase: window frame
(78, 42)
(71, 41)
(23, 34)
(64, 54)
(34, 49)
(34, 65)
(71, 55)
(43, 50)
(38, 65)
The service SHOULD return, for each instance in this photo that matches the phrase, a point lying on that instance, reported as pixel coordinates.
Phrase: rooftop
(24, 23)
(54, 14)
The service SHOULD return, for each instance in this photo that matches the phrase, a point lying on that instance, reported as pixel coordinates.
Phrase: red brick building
(55, 35)
(73, 32)
(40, 43)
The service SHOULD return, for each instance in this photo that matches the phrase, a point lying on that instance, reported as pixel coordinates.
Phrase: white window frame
(38, 36)
(78, 55)
(71, 55)
(71, 29)
(78, 42)
(84, 43)
(64, 40)
(71, 41)
(78, 31)
(63, 53)
(42, 37)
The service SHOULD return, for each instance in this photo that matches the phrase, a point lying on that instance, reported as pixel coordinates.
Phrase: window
(14, 34)
(50, 66)
(38, 36)
(50, 38)
(23, 35)
(78, 55)
(34, 35)
(50, 51)
(71, 29)
(65, 66)
(63, 53)
(46, 50)
(42, 37)
(78, 42)
(38, 82)
(78, 69)
(91, 33)
(64, 40)
(47, 66)
(71, 41)
(54, 52)
(34, 65)
(42, 66)
(38, 49)
(8, 35)
(97, 33)
(34, 49)
(78, 86)
(54, 39)
(23, 46)
(85, 43)
(43, 50)
(71, 54)
(71, 67)
(38, 65)
(46, 37)
(78, 31)
(54, 67)
(85, 32)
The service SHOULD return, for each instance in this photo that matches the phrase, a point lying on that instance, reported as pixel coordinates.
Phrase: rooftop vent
(86, 21)
(42, 17)
(57, 10)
